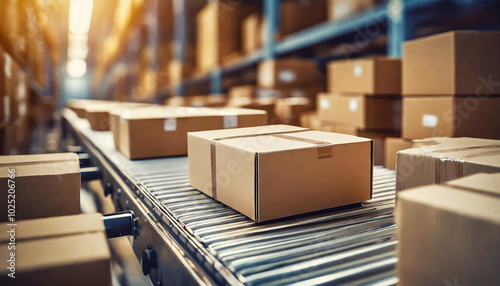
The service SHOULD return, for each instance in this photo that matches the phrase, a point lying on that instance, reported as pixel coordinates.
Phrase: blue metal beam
(180, 29)
(271, 15)
(400, 27)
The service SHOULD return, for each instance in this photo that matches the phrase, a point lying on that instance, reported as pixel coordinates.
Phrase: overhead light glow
(76, 68)
(80, 13)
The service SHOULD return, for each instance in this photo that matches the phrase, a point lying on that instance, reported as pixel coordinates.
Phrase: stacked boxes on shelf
(364, 99)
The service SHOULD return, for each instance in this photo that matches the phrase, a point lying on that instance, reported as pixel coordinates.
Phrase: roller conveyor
(198, 240)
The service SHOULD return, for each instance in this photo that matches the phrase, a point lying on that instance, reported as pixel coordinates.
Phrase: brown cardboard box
(250, 91)
(252, 33)
(98, 114)
(291, 72)
(375, 75)
(449, 233)
(272, 165)
(45, 185)
(289, 110)
(217, 100)
(448, 116)
(266, 104)
(342, 9)
(177, 71)
(293, 11)
(361, 111)
(457, 62)
(392, 146)
(439, 160)
(78, 105)
(177, 101)
(379, 143)
(71, 250)
(162, 132)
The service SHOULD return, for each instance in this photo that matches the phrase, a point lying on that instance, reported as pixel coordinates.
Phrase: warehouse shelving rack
(398, 18)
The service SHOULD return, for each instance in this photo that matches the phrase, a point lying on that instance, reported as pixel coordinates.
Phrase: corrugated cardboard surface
(264, 176)
(457, 62)
(288, 73)
(392, 146)
(45, 185)
(449, 234)
(440, 116)
(81, 259)
(377, 75)
(445, 159)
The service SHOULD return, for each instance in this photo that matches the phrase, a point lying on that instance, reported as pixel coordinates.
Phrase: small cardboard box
(252, 33)
(266, 104)
(392, 147)
(218, 100)
(250, 91)
(293, 11)
(160, 132)
(289, 109)
(439, 160)
(361, 111)
(342, 9)
(43, 185)
(449, 116)
(288, 73)
(263, 172)
(98, 114)
(78, 105)
(379, 141)
(71, 250)
(449, 233)
(452, 63)
(374, 75)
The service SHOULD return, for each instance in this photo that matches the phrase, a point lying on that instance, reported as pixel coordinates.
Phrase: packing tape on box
(324, 149)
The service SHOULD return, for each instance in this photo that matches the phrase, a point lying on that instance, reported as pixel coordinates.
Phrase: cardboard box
(342, 9)
(78, 105)
(361, 111)
(98, 114)
(177, 101)
(457, 62)
(439, 160)
(291, 72)
(289, 110)
(45, 185)
(272, 165)
(252, 33)
(379, 141)
(448, 116)
(71, 250)
(177, 71)
(207, 100)
(392, 147)
(249, 91)
(162, 132)
(293, 11)
(374, 75)
(266, 104)
(450, 233)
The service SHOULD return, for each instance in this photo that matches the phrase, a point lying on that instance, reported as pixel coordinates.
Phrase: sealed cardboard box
(439, 160)
(342, 9)
(379, 143)
(266, 104)
(361, 111)
(272, 165)
(98, 114)
(392, 146)
(374, 75)
(449, 116)
(44, 185)
(289, 110)
(293, 11)
(78, 105)
(252, 33)
(450, 233)
(457, 62)
(292, 72)
(162, 132)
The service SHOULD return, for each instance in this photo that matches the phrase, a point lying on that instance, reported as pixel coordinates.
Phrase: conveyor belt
(351, 245)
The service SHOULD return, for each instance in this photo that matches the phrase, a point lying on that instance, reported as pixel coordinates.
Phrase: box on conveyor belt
(266, 104)
(293, 72)
(360, 110)
(449, 233)
(98, 114)
(78, 105)
(289, 109)
(275, 171)
(451, 116)
(162, 131)
(342, 9)
(392, 147)
(42, 185)
(439, 160)
(72, 250)
(452, 63)
(373, 75)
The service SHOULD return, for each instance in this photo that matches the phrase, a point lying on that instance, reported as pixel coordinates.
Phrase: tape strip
(213, 169)
(324, 149)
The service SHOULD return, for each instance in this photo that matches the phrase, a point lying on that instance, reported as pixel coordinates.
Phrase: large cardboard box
(342, 9)
(449, 233)
(161, 132)
(272, 166)
(293, 11)
(439, 160)
(361, 111)
(374, 75)
(66, 250)
(252, 33)
(457, 62)
(43, 185)
(291, 72)
(289, 109)
(392, 147)
(448, 116)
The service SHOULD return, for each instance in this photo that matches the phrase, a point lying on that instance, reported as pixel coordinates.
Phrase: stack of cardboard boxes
(364, 99)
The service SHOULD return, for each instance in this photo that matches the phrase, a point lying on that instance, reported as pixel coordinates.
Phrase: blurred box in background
(392, 146)
(289, 73)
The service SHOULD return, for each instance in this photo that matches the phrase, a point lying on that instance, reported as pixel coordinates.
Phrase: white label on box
(341, 9)
(122, 120)
(353, 105)
(358, 70)
(8, 66)
(324, 103)
(286, 76)
(6, 106)
(429, 120)
(230, 121)
(170, 124)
